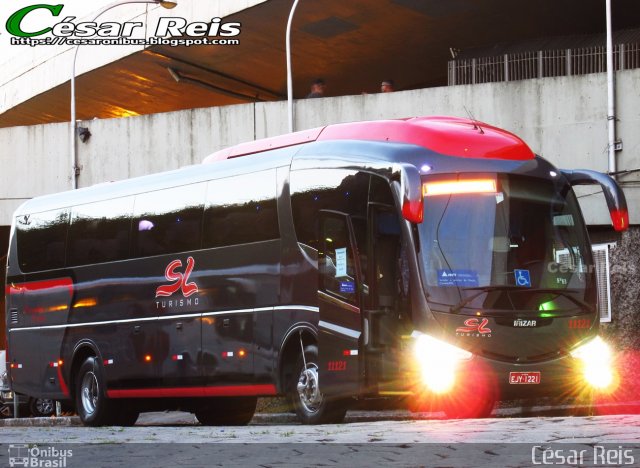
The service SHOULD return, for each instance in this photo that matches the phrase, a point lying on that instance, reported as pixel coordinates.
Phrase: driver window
(337, 268)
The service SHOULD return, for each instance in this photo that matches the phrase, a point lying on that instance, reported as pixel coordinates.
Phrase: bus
(435, 259)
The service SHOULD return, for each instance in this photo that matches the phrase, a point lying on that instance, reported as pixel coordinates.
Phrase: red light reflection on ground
(626, 398)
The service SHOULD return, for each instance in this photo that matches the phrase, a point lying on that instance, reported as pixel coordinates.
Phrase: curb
(183, 419)
(63, 421)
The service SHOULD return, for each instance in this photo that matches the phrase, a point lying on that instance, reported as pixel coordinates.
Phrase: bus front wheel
(311, 406)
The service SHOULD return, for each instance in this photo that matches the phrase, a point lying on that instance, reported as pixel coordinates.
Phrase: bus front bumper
(587, 370)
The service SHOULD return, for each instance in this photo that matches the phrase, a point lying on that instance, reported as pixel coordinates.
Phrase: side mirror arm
(613, 194)
(411, 191)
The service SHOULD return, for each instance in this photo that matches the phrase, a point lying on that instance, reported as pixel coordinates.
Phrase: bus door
(340, 322)
(386, 298)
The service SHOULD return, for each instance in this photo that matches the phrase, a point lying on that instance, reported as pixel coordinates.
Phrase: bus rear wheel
(227, 411)
(92, 403)
(311, 406)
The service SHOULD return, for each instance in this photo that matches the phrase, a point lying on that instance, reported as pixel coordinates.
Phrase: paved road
(484, 442)
(591, 429)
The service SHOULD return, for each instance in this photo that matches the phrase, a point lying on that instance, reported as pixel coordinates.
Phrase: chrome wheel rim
(309, 389)
(89, 391)
(44, 406)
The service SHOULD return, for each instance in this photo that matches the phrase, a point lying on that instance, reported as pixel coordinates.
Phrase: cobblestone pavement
(612, 440)
(591, 429)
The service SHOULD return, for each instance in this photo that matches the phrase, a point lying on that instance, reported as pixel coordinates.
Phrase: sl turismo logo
(180, 280)
(474, 327)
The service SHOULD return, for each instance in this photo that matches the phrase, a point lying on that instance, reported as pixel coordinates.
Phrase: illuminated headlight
(597, 362)
(437, 361)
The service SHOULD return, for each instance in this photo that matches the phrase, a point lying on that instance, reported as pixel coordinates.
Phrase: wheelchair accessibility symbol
(523, 278)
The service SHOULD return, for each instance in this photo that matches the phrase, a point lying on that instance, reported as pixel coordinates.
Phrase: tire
(92, 404)
(227, 411)
(42, 407)
(311, 406)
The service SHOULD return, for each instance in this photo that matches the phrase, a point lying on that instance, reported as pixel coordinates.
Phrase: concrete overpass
(562, 119)
(353, 45)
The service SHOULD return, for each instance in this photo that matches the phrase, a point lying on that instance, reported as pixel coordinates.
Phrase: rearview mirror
(613, 194)
(411, 190)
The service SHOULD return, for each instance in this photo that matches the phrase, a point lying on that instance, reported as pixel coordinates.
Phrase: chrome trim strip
(298, 307)
(167, 317)
(338, 302)
(86, 324)
(227, 312)
(341, 330)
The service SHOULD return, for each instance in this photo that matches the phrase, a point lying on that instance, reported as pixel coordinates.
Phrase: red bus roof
(451, 136)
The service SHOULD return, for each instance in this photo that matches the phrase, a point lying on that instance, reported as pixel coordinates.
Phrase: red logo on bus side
(473, 326)
(180, 280)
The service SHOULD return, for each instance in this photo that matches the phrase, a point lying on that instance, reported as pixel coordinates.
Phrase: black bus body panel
(250, 297)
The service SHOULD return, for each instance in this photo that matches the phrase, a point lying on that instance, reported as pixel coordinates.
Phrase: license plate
(520, 378)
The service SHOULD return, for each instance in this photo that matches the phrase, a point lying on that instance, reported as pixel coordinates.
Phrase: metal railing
(541, 64)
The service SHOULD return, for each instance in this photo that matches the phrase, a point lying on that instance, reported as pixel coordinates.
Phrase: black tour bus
(433, 259)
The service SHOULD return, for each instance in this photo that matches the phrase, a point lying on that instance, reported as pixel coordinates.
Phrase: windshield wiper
(485, 289)
(482, 289)
(567, 293)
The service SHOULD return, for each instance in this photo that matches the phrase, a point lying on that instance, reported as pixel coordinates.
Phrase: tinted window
(41, 240)
(168, 221)
(241, 209)
(99, 232)
(325, 189)
(337, 267)
(380, 192)
(507, 250)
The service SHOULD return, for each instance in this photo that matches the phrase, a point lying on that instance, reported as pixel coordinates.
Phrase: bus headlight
(597, 362)
(437, 361)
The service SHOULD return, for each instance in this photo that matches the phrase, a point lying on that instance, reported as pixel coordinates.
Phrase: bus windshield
(514, 244)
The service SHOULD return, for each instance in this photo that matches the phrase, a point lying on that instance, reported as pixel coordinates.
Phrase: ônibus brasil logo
(173, 31)
(180, 280)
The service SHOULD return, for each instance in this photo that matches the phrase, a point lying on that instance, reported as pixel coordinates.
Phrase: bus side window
(313, 190)
(168, 221)
(337, 267)
(99, 232)
(241, 209)
(388, 256)
(359, 224)
(42, 240)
